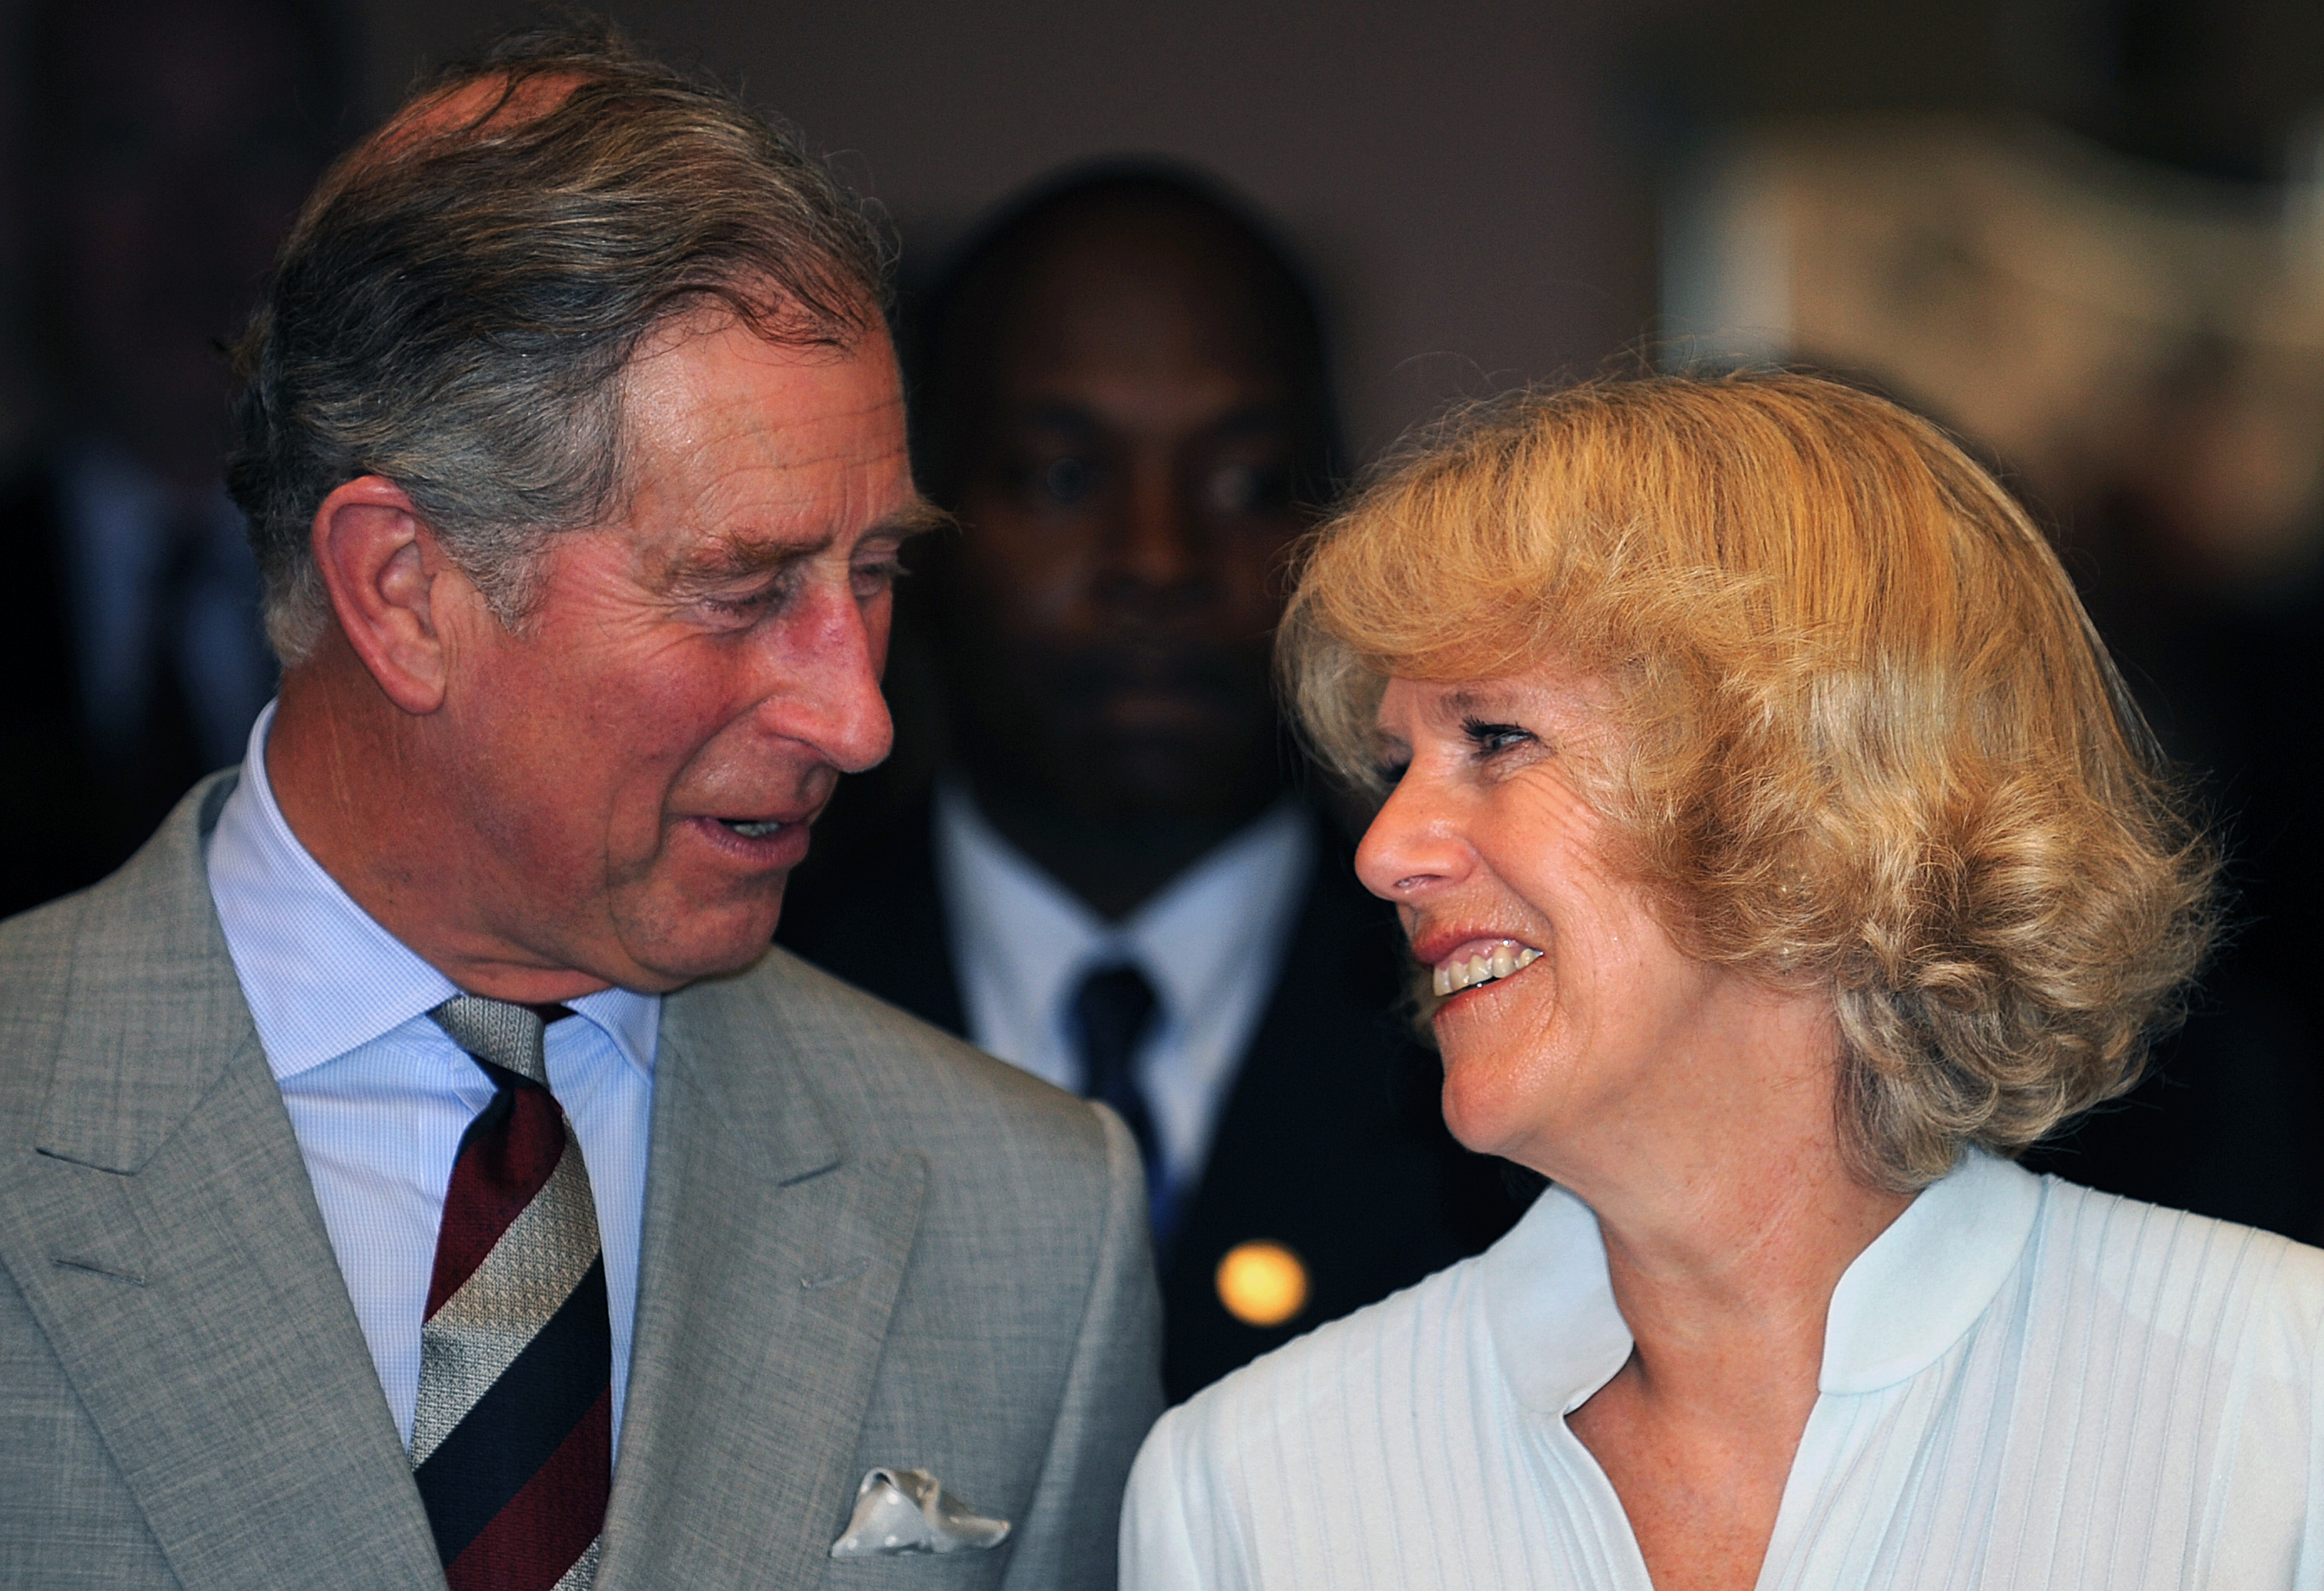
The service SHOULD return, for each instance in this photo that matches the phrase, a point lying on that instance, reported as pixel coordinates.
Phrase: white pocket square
(907, 1510)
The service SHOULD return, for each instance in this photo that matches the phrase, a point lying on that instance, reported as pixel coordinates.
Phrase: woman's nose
(1413, 842)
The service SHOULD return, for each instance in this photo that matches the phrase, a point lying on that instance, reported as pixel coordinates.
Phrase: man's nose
(1158, 543)
(828, 694)
(1413, 845)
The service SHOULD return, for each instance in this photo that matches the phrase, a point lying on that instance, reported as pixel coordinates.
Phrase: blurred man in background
(171, 141)
(1123, 398)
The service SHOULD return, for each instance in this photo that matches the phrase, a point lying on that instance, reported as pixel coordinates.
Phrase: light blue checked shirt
(379, 1097)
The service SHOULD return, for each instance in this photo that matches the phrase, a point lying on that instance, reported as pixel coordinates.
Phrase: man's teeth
(1499, 962)
(752, 827)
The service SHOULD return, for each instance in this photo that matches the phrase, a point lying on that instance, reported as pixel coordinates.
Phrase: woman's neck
(1729, 1213)
(1728, 1292)
(1728, 1202)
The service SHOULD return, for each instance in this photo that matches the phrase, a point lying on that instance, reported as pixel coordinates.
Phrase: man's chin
(707, 942)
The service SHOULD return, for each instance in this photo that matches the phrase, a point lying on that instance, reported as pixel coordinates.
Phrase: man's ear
(380, 564)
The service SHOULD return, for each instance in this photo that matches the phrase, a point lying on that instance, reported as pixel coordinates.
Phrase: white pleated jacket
(2025, 1385)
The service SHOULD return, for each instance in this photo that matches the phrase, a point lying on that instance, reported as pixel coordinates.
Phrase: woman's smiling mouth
(1478, 963)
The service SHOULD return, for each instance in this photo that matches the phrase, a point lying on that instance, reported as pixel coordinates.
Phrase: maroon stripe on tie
(545, 1528)
(496, 1175)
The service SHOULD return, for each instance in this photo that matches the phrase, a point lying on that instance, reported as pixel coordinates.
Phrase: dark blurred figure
(1123, 397)
(170, 143)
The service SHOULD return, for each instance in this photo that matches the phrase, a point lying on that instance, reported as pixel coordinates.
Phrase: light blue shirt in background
(1211, 943)
(379, 1095)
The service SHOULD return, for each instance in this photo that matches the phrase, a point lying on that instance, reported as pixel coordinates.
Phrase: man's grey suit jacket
(864, 1244)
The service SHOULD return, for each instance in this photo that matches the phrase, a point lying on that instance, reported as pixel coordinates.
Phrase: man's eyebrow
(917, 518)
(728, 557)
(1053, 414)
(1255, 419)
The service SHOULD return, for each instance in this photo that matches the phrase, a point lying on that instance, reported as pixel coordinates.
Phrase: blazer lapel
(771, 1261)
(165, 1233)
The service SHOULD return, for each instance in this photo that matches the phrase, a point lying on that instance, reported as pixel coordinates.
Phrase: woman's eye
(1490, 738)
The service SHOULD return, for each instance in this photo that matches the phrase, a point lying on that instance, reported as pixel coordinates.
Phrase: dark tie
(512, 1441)
(1112, 1010)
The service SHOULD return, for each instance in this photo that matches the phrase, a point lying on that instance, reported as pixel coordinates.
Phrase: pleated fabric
(2025, 1384)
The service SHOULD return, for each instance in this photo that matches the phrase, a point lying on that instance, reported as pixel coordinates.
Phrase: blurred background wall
(1460, 173)
(1488, 187)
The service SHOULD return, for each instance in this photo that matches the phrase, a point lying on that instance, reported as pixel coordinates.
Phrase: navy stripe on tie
(514, 1428)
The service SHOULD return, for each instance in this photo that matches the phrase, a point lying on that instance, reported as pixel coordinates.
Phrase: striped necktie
(512, 1442)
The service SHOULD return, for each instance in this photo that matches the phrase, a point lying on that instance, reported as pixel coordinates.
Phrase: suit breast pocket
(919, 1571)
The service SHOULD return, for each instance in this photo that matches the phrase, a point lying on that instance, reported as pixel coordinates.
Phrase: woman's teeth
(1483, 968)
(752, 827)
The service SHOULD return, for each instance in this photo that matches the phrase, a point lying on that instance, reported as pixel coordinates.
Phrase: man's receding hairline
(499, 99)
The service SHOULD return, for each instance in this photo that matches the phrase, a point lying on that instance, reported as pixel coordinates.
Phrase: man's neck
(1116, 862)
(379, 839)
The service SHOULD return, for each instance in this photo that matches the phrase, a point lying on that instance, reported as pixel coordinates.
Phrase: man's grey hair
(457, 304)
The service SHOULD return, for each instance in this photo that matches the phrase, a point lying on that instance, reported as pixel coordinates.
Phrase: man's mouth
(753, 828)
(1482, 962)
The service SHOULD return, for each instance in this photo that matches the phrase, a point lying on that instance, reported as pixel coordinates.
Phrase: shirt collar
(1910, 1295)
(319, 973)
(1235, 905)
(1030, 932)
(1042, 940)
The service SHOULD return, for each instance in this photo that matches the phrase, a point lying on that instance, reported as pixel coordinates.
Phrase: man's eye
(869, 580)
(1065, 480)
(1247, 488)
(746, 605)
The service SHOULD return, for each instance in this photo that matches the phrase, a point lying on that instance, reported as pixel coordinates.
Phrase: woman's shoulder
(1233, 1487)
(2151, 1268)
(1341, 1364)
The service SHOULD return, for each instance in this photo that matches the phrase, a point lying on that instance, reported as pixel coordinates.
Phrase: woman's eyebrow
(1467, 702)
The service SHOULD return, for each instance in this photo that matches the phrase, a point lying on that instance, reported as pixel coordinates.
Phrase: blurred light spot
(1262, 1284)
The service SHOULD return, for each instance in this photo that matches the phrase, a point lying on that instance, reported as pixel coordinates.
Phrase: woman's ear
(379, 564)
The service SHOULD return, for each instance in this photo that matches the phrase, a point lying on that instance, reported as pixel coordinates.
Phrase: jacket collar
(152, 1022)
(1910, 1295)
(164, 1235)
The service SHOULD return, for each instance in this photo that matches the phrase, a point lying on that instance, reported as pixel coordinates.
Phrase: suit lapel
(165, 1233)
(771, 1261)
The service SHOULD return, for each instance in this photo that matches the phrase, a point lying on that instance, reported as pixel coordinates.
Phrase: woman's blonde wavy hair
(1874, 745)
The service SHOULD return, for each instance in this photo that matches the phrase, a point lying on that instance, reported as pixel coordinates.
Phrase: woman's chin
(1481, 1110)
